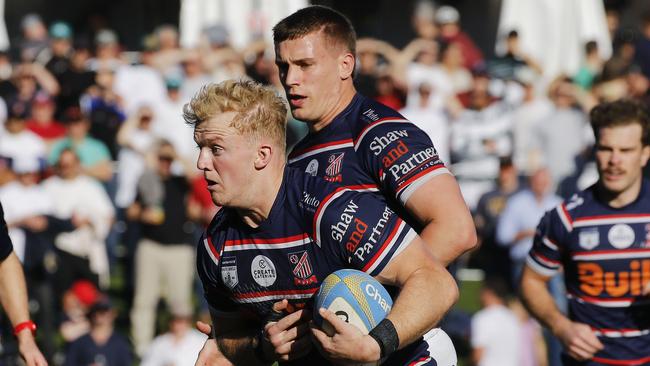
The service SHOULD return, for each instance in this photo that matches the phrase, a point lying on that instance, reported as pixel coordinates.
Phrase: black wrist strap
(386, 335)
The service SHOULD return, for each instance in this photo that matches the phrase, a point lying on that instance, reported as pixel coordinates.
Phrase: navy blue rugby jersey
(605, 254)
(314, 228)
(369, 146)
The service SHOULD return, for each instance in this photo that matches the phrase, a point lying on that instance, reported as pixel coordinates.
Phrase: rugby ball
(353, 296)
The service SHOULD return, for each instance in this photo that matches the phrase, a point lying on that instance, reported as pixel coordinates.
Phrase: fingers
(339, 325)
(294, 349)
(286, 322)
(646, 290)
(204, 328)
(584, 344)
(280, 306)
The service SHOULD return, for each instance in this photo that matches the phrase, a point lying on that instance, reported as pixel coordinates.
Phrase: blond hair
(261, 112)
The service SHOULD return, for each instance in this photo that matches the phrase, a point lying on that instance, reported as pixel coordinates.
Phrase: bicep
(439, 199)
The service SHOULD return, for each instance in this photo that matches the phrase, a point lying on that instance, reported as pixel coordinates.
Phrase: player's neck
(342, 102)
(263, 195)
(617, 200)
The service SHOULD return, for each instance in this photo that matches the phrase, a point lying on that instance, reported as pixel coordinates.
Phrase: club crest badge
(589, 238)
(333, 170)
(229, 272)
(301, 268)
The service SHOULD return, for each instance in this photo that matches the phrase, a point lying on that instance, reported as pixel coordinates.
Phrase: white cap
(24, 165)
(447, 14)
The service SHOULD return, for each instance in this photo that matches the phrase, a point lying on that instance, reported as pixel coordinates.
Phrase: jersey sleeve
(5, 243)
(207, 267)
(399, 155)
(361, 230)
(545, 257)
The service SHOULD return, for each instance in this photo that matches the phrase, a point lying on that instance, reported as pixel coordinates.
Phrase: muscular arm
(236, 339)
(579, 340)
(448, 226)
(423, 280)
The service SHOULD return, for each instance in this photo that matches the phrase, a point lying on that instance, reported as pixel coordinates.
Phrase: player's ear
(645, 154)
(346, 65)
(264, 154)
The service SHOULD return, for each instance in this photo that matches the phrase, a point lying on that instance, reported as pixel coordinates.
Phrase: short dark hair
(497, 286)
(334, 25)
(591, 46)
(622, 112)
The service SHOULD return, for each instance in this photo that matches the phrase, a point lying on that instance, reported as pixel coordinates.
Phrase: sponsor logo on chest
(263, 271)
(621, 236)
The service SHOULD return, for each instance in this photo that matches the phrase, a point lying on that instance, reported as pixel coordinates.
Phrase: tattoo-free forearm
(410, 317)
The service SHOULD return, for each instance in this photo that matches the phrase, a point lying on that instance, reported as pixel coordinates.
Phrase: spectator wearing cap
(83, 200)
(219, 59)
(179, 346)
(167, 125)
(102, 345)
(57, 61)
(18, 142)
(448, 20)
(34, 37)
(194, 75)
(94, 155)
(76, 302)
(107, 51)
(42, 121)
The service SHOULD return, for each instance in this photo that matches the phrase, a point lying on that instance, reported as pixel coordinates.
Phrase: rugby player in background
(600, 238)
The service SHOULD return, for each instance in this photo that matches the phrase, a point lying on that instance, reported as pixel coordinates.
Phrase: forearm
(538, 300)
(239, 347)
(13, 292)
(448, 240)
(431, 286)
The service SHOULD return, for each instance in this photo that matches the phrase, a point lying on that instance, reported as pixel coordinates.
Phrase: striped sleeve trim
(544, 271)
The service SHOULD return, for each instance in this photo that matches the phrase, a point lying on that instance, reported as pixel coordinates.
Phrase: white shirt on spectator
(24, 144)
(165, 350)
(496, 331)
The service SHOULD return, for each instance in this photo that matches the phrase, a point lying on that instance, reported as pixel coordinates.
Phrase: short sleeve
(361, 229)
(399, 155)
(5, 242)
(546, 254)
(207, 267)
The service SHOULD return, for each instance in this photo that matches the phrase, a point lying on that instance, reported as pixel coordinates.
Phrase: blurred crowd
(104, 202)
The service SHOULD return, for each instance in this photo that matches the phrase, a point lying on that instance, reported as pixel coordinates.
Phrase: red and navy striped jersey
(605, 255)
(313, 229)
(369, 146)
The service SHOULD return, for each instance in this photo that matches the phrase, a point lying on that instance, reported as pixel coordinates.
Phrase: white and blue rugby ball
(353, 296)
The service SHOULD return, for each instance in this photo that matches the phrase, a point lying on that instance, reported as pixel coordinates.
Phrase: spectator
(34, 37)
(77, 197)
(496, 334)
(42, 121)
(74, 81)
(194, 76)
(165, 243)
(516, 226)
(451, 63)
(179, 346)
(447, 18)
(507, 65)
(18, 142)
(107, 52)
(77, 301)
(563, 133)
(591, 67)
(93, 154)
(533, 346)
(57, 59)
(102, 345)
(491, 257)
